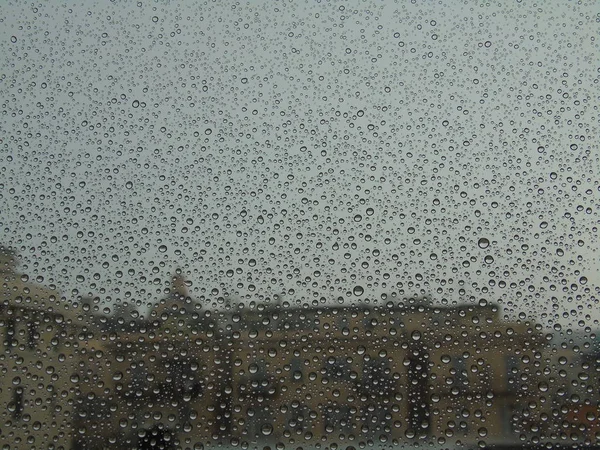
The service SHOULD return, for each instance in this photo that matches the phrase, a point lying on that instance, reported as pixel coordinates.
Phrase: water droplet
(266, 429)
(483, 243)
(358, 291)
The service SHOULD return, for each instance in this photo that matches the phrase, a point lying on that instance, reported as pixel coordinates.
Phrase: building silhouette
(403, 373)
(42, 343)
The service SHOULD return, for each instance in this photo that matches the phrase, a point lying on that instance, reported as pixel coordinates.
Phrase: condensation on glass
(299, 225)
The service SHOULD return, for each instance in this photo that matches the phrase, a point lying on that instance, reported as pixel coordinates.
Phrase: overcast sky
(331, 151)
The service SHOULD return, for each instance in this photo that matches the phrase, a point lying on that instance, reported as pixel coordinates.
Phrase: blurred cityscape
(405, 374)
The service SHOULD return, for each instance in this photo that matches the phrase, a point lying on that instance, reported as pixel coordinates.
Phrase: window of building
(32, 334)
(460, 374)
(297, 369)
(512, 373)
(10, 332)
(338, 368)
(17, 403)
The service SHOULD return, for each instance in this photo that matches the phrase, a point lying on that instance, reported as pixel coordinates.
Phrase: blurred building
(164, 376)
(569, 391)
(359, 375)
(407, 371)
(41, 341)
(401, 373)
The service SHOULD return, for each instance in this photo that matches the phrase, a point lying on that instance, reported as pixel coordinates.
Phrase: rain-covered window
(288, 225)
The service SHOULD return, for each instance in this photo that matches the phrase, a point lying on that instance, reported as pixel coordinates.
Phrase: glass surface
(284, 224)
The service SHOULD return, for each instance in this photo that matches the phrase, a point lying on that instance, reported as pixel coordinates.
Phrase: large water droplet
(483, 242)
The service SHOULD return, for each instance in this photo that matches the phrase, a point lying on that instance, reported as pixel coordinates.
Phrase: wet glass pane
(299, 225)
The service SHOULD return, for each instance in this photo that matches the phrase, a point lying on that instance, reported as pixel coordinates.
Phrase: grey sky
(306, 148)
